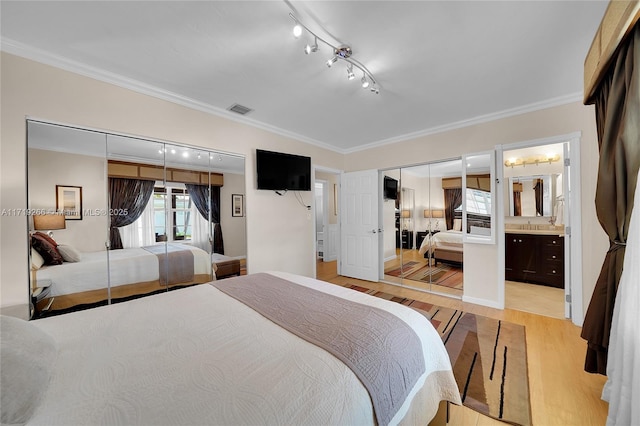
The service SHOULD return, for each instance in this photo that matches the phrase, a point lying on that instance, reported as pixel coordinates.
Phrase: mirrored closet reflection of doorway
(424, 249)
(116, 217)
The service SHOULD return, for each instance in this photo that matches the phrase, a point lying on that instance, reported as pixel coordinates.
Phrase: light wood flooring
(561, 392)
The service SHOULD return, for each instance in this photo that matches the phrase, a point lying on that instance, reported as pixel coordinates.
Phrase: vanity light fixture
(341, 52)
(534, 160)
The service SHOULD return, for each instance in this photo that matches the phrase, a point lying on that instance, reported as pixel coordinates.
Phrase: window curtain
(202, 197)
(452, 200)
(127, 200)
(200, 230)
(141, 232)
(539, 195)
(517, 203)
(617, 102)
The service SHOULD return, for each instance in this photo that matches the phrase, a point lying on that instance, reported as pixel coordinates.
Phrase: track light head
(374, 89)
(297, 30)
(364, 81)
(332, 61)
(311, 48)
(350, 74)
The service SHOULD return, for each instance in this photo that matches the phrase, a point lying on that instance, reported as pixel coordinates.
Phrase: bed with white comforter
(198, 356)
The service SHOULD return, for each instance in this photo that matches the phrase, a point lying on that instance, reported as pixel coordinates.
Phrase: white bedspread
(449, 238)
(126, 266)
(197, 356)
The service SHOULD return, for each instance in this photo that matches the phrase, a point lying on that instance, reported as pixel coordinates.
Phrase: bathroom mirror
(533, 195)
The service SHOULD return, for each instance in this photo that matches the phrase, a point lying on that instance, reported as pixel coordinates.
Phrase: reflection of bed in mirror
(131, 272)
(443, 246)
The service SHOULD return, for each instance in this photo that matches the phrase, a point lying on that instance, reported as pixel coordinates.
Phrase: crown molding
(536, 106)
(29, 52)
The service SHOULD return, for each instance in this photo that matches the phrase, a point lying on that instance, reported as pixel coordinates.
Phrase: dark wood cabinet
(420, 236)
(535, 259)
(404, 239)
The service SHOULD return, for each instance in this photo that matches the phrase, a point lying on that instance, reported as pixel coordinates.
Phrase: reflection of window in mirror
(478, 205)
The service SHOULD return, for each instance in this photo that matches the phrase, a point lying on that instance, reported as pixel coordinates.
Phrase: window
(178, 220)
(478, 202)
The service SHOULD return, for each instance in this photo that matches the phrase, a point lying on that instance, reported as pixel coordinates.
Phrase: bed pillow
(69, 253)
(46, 237)
(36, 259)
(457, 224)
(48, 251)
(27, 355)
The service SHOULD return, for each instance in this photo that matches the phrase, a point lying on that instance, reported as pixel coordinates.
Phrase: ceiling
(438, 64)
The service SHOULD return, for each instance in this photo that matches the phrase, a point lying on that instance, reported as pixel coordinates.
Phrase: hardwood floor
(561, 392)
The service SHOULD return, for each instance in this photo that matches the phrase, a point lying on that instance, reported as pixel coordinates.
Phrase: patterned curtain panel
(452, 200)
(204, 196)
(617, 101)
(127, 200)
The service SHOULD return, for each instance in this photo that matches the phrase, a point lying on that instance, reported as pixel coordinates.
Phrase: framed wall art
(69, 201)
(237, 205)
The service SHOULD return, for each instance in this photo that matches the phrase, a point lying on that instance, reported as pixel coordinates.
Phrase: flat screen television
(278, 171)
(390, 188)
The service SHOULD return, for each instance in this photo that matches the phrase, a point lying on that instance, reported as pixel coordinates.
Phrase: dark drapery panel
(538, 190)
(452, 200)
(517, 203)
(127, 200)
(617, 102)
(204, 196)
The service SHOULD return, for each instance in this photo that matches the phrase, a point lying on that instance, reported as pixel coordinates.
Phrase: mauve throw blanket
(382, 350)
(175, 263)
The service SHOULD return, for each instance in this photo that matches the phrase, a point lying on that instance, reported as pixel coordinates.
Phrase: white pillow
(27, 355)
(457, 224)
(36, 259)
(68, 253)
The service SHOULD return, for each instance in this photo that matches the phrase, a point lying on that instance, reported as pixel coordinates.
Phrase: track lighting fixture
(341, 52)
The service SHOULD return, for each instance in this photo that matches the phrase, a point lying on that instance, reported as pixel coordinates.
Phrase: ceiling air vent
(240, 109)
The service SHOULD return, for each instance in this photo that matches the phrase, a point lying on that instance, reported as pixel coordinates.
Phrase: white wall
(234, 229)
(279, 229)
(559, 120)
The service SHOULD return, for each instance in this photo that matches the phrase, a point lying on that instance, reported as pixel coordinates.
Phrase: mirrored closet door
(428, 226)
(117, 217)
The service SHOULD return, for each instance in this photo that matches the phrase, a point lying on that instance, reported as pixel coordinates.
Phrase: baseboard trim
(483, 302)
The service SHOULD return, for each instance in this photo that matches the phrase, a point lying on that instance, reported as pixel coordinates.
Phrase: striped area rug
(489, 358)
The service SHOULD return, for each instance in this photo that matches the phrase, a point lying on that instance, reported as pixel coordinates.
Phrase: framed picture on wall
(69, 201)
(237, 207)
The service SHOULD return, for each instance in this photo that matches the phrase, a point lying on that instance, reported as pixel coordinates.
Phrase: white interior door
(360, 231)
